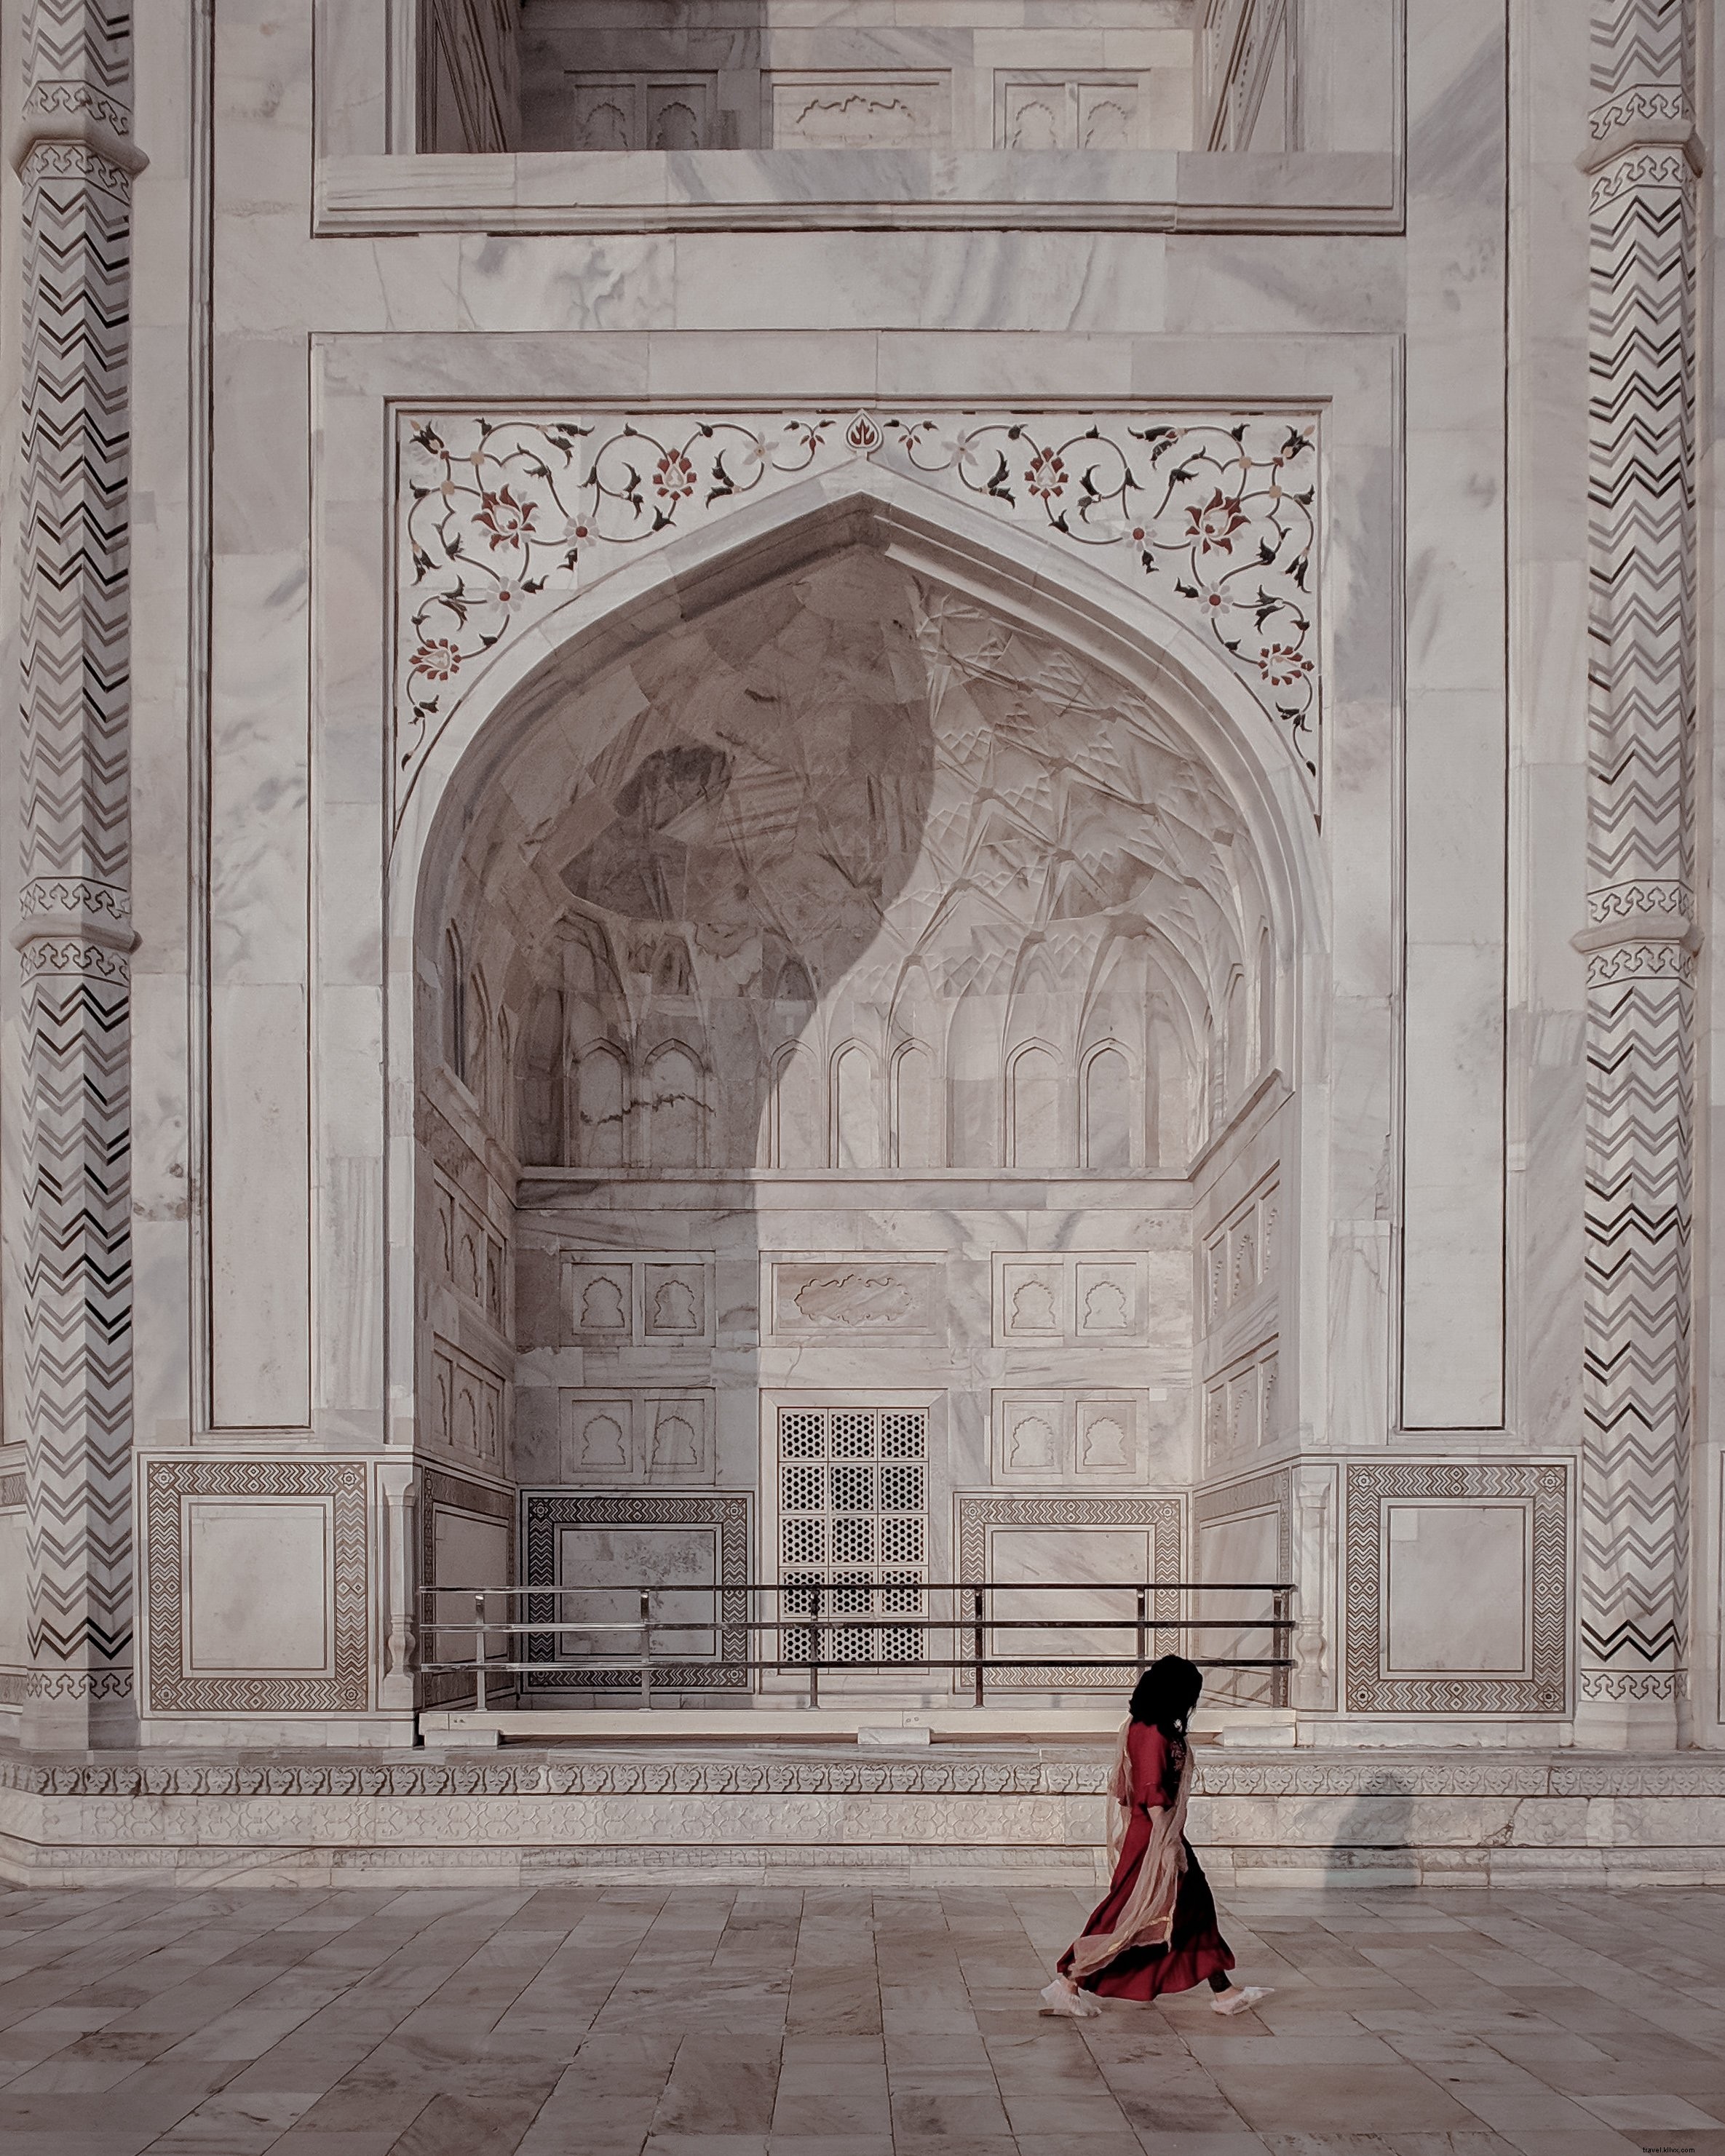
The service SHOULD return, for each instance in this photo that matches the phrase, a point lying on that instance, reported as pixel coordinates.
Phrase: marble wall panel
(1508, 1522)
(611, 1545)
(1245, 1531)
(1098, 1298)
(327, 1518)
(257, 1585)
(1458, 1587)
(1032, 1543)
(854, 1296)
(1099, 1437)
(663, 1300)
(466, 1539)
(1456, 738)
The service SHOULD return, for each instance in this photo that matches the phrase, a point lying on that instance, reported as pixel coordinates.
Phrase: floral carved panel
(502, 518)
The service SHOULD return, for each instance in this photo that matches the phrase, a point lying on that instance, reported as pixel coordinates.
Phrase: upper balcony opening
(931, 75)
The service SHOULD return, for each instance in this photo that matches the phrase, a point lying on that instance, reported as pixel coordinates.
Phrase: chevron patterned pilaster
(1641, 938)
(76, 160)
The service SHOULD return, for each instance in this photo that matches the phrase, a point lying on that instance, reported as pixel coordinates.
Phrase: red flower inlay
(1284, 665)
(673, 476)
(509, 521)
(1047, 477)
(1212, 526)
(437, 659)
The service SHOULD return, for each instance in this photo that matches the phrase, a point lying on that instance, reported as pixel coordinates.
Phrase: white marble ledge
(846, 190)
(687, 1769)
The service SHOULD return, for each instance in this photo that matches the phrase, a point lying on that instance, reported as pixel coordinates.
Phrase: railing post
(1279, 1608)
(815, 1644)
(479, 1654)
(976, 1645)
(1143, 1624)
(646, 1650)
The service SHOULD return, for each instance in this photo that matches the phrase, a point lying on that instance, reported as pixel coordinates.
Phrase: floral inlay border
(502, 518)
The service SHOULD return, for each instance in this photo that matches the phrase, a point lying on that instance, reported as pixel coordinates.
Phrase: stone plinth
(1014, 1810)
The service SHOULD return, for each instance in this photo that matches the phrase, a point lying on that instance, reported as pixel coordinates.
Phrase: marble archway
(823, 1007)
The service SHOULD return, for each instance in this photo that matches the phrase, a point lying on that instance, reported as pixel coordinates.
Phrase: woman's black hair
(1167, 1693)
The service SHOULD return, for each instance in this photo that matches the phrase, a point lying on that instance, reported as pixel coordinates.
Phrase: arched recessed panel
(1266, 1002)
(454, 1003)
(916, 1112)
(602, 1108)
(1110, 1112)
(676, 1110)
(852, 809)
(856, 1111)
(539, 1102)
(1038, 1121)
(476, 1054)
(799, 1124)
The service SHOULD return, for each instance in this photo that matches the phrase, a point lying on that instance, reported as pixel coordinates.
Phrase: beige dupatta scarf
(1148, 1919)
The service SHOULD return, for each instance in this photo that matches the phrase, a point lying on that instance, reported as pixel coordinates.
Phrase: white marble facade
(870, 835)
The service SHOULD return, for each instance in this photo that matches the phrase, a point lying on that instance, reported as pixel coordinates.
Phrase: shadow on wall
(681, 863)
(1373, 1846)
(847, 876)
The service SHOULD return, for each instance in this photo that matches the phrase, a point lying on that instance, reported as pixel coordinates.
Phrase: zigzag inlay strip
(1634, 1497)
(74, 784)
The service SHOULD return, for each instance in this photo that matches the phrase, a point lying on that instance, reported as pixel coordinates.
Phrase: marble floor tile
(578, 2020)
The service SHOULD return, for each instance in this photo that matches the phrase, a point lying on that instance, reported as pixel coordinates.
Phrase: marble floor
(699, 2019)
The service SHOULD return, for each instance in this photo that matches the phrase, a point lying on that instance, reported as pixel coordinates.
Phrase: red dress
(1196, 1947)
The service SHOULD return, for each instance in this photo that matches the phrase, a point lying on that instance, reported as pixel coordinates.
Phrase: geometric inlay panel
(668, 1522)
(1383, 1501)
(340, 1486)
(1018, 1541)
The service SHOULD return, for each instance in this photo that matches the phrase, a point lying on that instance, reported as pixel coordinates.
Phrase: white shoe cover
(1240, 2001)
(1059, 1998)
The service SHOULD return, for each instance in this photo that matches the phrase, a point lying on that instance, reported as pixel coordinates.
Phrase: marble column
(76, 160)
(1641, 938)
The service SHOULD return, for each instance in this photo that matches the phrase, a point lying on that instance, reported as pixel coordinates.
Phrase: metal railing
(810, 1628)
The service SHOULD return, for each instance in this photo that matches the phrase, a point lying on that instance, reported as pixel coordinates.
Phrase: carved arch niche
(853, 875)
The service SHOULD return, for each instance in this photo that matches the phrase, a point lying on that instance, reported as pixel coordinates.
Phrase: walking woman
(1155, 1930)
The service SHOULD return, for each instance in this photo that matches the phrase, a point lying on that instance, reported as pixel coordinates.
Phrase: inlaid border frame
(167, 1483)
(544, 1512)
(1367, 1489)
(1163, 1516)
